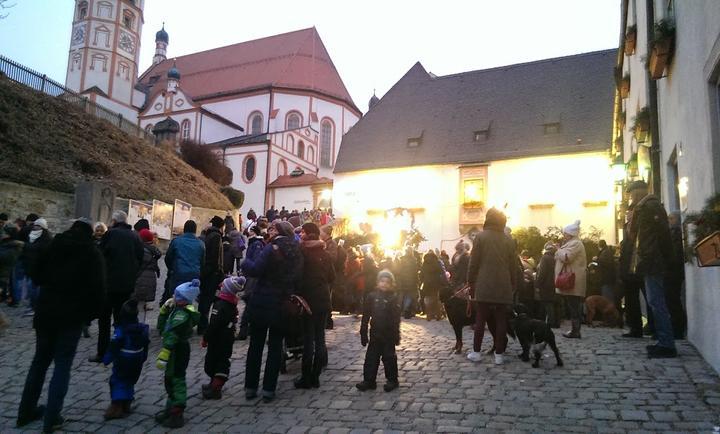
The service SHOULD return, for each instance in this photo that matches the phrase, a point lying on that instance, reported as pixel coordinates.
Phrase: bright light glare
(326, 194)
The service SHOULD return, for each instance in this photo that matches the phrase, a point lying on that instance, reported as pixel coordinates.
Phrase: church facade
(275, 108)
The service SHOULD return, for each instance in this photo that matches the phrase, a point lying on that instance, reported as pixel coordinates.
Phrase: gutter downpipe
(653, 106)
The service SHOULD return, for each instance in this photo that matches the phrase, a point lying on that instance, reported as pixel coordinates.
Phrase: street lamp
(618, 168)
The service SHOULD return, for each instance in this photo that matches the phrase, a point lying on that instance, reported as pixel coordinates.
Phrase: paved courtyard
(607, 385)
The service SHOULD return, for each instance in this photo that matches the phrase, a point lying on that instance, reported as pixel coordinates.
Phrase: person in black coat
(408, 282)
(545, 287)
(317, 278)
(607, 270)
(433, 278)
(212, 271)
(38, 241)
(123, 252)
(381, 312)
(72, 276)
(220, 335)
(277, 268)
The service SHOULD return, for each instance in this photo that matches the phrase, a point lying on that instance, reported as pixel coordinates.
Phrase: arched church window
(282, 168)
(311, 154)
(102, 36)
(185, 129)
(301, 149)
(128, 19)
(293, 120)
(82, 10)
(326, 142)
(256, 123)
(249, 169)
(104, 10)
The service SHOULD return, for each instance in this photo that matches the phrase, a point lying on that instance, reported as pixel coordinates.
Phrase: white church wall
(254, 189)
(286, 103)
(128, 113)
(239, 109)
(212, 130)
(123, 80)
(292, 198)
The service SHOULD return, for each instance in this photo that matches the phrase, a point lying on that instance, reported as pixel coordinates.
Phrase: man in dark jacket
(606, 268)
(408, 281)
(38, 241)
(123, 252)
(317, 278)
(72, 275)
(649, 233)
(212, 271)
(184, 259)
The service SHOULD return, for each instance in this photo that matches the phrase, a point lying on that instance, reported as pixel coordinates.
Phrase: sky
(372, 43)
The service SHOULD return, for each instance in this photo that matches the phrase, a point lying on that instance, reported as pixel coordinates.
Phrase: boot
(175, 418)
(391, 385)
(161, 416)
(575, 331)
(215, 389)
(114, 411)
(364, 385)
(302, 383)
(243, 332)
(127, 406)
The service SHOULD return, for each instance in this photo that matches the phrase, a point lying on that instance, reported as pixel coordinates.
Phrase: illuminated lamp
(618, 169)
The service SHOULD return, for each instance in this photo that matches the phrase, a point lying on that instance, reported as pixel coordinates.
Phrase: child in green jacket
(177, 319)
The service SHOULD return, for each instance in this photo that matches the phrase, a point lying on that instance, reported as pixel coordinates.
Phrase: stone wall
(19, 200)
(58, 208)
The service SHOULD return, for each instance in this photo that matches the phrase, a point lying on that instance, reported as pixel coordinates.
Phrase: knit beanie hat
(187, 291)
(146, 236)
(573, 229)
(294, 221)
(285, 229)
(217, 221)
(129, 312)
(386, 274)
(549, 247)
(41, 222)
(233, 285)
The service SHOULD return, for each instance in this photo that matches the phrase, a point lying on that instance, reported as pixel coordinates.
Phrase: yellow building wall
(578, 186)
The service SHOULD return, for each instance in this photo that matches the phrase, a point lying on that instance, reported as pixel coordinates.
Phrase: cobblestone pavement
(607, 385)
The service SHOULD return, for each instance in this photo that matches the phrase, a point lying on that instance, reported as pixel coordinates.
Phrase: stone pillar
(94, 200)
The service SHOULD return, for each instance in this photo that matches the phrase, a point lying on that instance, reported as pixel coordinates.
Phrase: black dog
(535, 333)
(459, 313)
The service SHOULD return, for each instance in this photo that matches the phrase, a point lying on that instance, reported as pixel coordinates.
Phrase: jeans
(51, 345)
(408, 302)
(655, 291)
(112, 308)
(314, 349)
(260, 327)
(495, 315)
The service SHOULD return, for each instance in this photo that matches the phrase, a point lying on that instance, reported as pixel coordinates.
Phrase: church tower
(104, 53)
(162, 39)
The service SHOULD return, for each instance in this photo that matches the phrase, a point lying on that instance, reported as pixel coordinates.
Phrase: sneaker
(32, 417)
(59, 422)
(474, 356)
(499, 359)
(658, 352)
(363, 386)
(267, 396)
(250, 394)
(390, 386)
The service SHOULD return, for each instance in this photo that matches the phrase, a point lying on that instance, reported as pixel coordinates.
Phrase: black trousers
(314, 349)
(633, 314)
(376, 351)
(51, 345)
(111, 311)
(673, 298)
(219, 352)
(260, 329)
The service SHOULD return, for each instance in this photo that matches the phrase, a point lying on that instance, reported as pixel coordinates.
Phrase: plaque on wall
(473, 195)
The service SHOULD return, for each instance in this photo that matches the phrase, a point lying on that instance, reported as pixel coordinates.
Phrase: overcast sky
(372, 43)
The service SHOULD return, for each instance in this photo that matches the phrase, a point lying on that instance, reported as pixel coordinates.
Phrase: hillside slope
(48, 143)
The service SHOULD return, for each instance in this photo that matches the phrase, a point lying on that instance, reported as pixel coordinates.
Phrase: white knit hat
(573, 229)
(41, 222)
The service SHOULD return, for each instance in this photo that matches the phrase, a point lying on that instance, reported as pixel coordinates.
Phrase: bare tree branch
(5, 5)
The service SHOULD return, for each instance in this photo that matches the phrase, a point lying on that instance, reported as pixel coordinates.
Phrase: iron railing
(40, 82)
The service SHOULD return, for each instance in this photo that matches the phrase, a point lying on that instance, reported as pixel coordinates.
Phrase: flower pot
(630, 39)
(641, 135)
(625, 87)
(659, 57)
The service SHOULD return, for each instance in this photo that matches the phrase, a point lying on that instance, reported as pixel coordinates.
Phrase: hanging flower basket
(662, 48)
(641, 125)
(630, 40)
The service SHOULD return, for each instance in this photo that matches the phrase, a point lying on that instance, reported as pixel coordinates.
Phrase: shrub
(206, 161)
(236, 197)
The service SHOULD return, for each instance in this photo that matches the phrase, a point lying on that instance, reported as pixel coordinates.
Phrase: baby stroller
(293, 309)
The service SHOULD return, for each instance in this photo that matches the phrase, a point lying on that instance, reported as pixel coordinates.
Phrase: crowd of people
(292, 274)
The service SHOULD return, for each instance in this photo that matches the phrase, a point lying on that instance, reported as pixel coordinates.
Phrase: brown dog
(598, 307)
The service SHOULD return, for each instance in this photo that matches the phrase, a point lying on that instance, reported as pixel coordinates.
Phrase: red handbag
(565, 280)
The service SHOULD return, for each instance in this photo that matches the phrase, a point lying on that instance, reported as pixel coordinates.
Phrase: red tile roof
(299, 181)
(296, 60)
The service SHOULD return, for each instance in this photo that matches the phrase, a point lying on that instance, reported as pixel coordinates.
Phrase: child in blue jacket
(127, 352)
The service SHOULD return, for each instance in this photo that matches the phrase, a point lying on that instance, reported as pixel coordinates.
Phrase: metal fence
(42, 83)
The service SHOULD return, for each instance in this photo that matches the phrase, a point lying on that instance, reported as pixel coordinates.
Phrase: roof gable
(297, 60)
(547, 107)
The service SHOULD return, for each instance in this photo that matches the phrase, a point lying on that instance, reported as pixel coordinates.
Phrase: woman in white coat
(572, 254)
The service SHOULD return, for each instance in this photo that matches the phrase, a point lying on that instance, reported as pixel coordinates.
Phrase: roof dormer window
(416, 140)
(551, 128)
